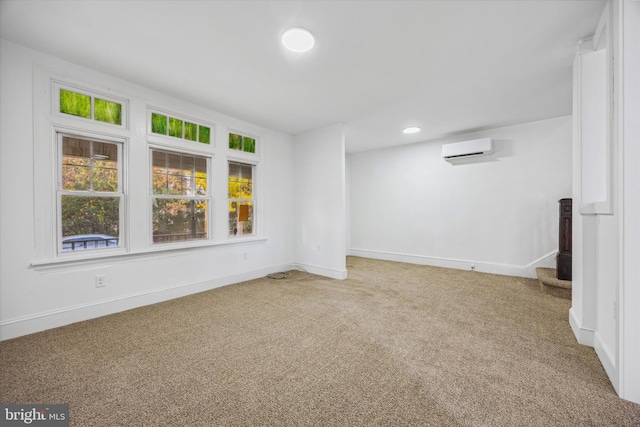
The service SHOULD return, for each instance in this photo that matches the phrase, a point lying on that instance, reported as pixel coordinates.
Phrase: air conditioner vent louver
(474, 147)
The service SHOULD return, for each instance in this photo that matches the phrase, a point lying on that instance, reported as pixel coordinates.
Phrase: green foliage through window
(190, 131)
(107, 111)
(90, 194)
(180, 196)
(241, 201)
(75, 104)
(177, 128)
(242, 143)
(90, 216)
(80, 105)
(158, 123)
(204, 134)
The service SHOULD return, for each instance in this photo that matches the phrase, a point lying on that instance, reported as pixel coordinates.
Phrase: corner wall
(320, 202)
(496, 213)
(630, 132)
(604, 310)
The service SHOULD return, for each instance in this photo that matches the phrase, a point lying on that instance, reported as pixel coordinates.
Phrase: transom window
(90, 106)
(90, 196)
(241, 199)
(180, 196)
(164, 124)
(242, 143)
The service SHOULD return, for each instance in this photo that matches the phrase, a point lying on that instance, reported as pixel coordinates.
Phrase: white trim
(61, 84)
(607, 359)
(584, 336)
(548, 260)
(16, 327)
(459, 264)
(596, 208)
(584, 45)
(179, 145)
(151, 253)
(322, 271)
(602, 40)
(628, 77)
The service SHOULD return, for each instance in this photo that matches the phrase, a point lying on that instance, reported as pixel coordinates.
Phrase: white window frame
(60, 192)
(255, 199)
(48, 123)
(246, 156)
(57, 85)
(208, 198)
(172, 141)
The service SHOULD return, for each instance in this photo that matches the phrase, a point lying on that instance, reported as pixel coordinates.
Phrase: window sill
(152, 252)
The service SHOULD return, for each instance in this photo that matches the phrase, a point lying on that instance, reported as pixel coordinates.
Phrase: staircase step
(550, 284)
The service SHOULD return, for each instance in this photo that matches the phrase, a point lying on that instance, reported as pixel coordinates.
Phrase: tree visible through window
(180, 196)
(89, 194)
(241, 199)
(242, 143)
(80, 105)
(165, 125)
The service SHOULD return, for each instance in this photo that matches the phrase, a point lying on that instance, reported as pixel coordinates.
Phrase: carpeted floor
(393, 345)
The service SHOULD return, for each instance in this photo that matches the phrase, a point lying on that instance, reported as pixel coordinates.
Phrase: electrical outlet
(101, 280)
(246, 256)
(473, 267)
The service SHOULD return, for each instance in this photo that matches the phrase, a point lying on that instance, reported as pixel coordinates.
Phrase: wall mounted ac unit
(474, 147)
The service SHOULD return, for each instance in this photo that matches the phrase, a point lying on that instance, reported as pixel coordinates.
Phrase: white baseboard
(13, 328)
(548, 261)
(584, 336)
(606, 358)
(322, 271)
(484, 267)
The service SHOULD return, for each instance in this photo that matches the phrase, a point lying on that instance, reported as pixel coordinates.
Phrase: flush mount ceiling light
(411, 129)
(298, 39)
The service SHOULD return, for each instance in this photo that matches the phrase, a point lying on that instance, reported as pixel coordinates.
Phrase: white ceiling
(450, 67)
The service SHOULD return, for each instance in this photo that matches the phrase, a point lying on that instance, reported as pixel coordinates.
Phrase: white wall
(498, 213)
(590, 182)
(597, 224)
(606, 240)
(630, 132)
(33, 299)
(320, 204)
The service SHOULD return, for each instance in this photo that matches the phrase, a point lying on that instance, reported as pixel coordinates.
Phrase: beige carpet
(394, 345)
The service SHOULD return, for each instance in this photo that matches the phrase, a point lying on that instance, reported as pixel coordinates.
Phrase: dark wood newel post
(563, 260)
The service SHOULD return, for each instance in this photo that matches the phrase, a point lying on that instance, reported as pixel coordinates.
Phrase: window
(92, 107)
(90, 196)
(242, 143)
(241, 199)
(180, 196)
(163, 124)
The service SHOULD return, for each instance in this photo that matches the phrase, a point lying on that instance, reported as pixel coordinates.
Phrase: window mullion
(91, 157)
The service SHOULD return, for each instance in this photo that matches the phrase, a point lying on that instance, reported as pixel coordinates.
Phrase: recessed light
(411, 129)
(298, 39)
